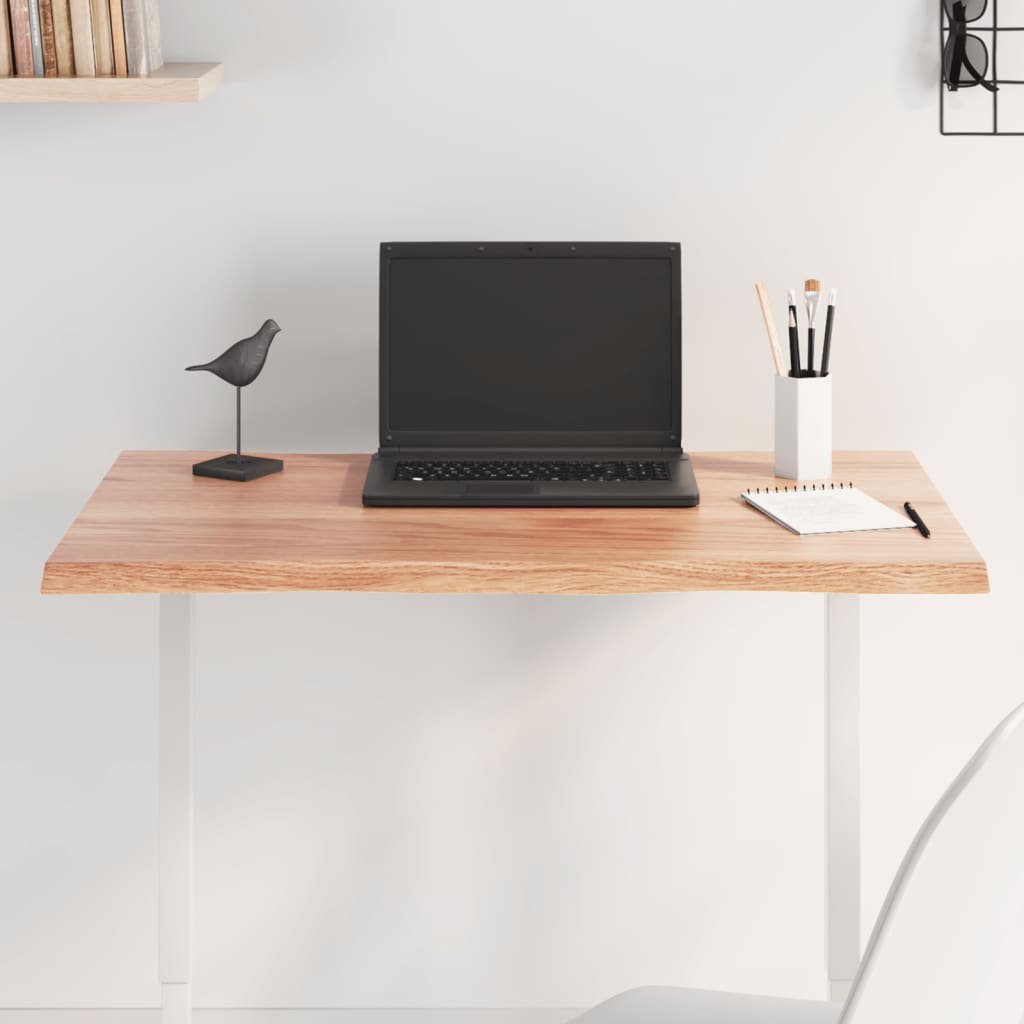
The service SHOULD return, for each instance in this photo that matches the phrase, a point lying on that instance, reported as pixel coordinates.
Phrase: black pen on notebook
(918, 521)
(826, 351)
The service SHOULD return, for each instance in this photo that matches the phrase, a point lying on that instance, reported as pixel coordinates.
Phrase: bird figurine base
(235, 467)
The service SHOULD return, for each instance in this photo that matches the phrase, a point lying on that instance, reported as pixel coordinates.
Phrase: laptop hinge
(460, 451)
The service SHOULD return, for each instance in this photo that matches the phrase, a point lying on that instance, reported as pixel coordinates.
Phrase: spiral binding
(798, 490)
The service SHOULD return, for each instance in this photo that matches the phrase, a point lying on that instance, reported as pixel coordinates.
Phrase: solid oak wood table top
(152, 527)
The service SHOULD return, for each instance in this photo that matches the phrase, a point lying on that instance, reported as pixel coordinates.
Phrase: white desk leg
(842, 802)
(177, 613)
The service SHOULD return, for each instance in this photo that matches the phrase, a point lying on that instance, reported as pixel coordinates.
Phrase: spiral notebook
(824, 508)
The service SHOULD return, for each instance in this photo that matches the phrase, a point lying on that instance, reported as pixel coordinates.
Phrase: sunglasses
(965, 57)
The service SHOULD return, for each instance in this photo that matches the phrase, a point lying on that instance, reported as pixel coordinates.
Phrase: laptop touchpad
(501, 488)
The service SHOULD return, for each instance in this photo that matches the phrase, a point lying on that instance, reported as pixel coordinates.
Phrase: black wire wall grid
(969, 38)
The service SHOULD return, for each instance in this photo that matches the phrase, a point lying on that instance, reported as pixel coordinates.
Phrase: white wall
(526, 800)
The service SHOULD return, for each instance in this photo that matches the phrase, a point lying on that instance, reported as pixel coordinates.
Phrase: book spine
(117, 31)
(136, 43)
(49, 39)
(102, 40)
(36, 34)
(81, 35)
(156, 56)
(21, 38)
(62, 35)
(6, 56)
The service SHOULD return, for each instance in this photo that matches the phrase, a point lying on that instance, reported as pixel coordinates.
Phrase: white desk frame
(842, 791)
(842, 798)
(177, 664)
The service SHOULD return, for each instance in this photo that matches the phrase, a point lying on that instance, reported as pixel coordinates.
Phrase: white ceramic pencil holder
(803, 427)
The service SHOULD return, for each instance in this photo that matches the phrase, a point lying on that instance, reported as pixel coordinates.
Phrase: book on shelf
(49, 38)
(81, 37)
(142, 36)
(62, 38)
(102, 40)
(153, 37)
(6, 53)
(21, 38)
(36, 35)
(120, 46)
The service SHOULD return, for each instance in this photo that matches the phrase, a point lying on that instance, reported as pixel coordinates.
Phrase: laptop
(530, 374)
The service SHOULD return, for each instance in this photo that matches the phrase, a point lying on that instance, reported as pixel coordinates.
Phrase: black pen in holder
(826, 351)
(794, 338)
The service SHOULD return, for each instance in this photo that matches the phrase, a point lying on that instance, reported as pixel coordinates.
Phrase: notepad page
(842, 510)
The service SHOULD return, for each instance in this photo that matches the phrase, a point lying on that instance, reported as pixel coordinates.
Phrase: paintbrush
(812, 296)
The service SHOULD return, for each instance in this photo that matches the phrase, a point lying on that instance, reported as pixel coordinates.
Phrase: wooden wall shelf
(173, 83)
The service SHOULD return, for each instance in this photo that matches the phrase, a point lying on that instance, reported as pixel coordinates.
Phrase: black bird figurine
(240, 365)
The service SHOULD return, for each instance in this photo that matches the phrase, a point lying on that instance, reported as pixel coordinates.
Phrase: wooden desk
(153, 528)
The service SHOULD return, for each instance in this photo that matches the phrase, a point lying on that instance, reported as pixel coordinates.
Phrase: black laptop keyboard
(542, 472)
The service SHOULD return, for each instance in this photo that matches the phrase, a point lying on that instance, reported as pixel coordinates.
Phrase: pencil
(769, 326)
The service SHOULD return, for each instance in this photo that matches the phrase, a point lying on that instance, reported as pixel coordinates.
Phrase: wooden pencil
(769, 325)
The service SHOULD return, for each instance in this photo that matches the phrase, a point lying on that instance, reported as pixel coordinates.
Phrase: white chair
(948, 945)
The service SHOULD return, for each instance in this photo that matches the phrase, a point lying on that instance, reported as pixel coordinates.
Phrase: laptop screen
(532, 343)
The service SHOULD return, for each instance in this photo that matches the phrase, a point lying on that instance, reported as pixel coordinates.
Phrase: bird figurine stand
(240, 365)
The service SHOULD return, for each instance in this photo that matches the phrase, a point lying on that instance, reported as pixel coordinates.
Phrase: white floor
(294, 1016)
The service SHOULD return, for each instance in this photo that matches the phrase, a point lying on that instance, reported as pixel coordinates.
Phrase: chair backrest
(948, 946)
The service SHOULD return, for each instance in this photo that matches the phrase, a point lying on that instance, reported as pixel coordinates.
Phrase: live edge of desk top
(152, 527)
